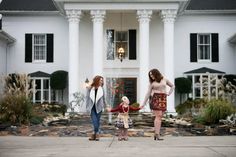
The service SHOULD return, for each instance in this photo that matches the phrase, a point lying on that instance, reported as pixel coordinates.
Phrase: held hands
(108, 109)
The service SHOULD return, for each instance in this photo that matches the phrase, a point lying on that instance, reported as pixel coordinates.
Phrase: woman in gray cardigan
(95, 103)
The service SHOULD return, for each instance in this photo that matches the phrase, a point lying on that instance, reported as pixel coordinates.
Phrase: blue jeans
(95, 119)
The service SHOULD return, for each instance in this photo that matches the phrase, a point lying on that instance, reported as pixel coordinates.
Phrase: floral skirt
(123, 121)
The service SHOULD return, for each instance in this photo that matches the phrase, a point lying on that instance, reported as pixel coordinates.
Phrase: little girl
(123, 120)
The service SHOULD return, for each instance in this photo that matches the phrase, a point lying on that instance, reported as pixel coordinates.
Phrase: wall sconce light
(86, 82)
(121, 53)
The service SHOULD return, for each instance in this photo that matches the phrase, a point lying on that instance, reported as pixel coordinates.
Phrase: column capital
(73, 15)
(168, 15)
(144, 16)
(98, 15)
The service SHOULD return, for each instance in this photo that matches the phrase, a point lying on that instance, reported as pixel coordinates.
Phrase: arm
(147, 95)
(116, 109)
(171, 85)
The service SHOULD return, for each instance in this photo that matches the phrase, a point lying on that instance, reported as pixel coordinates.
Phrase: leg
(98, 126)
(120, 134)
(125, 135)
(157, 123)
(93, 119)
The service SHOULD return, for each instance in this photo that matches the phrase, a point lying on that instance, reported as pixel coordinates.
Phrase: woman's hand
(142, 106)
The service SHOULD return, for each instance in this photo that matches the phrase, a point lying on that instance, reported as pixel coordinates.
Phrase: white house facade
(83, 37)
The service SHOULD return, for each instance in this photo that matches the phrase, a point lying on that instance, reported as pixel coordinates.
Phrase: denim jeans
(95, 117)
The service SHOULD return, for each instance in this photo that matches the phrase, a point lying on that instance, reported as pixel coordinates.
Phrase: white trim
(121, 6)
(204, 12)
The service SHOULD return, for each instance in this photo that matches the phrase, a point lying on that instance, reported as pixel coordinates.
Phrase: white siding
(223, 25)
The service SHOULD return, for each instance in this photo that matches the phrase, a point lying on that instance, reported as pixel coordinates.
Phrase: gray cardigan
(100, 99)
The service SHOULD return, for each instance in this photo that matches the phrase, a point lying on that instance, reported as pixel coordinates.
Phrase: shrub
(15, 109)
(58, 80)
(183, 86)
(36, 120)
(18, 84)
(136, 105)
(216, 110)
(191, 107)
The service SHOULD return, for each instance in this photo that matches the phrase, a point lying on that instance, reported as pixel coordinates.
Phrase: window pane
(204, 39)
(45, 96)
(197, 92)
(38, 84)
(45, 84)
(121, 36)
(118, 87)
(38, 96)
(204, 52)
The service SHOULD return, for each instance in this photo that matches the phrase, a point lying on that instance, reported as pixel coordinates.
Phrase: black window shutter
(49, 47)
(28, 48)
(193, 47)
(215, 47)
(0, 24)
(132, 44)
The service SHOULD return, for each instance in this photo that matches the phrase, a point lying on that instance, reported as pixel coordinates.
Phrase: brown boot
(92, 138)
(97, 137)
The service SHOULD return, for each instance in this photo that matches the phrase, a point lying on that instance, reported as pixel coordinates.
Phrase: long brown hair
(96, 81)
(157, 75)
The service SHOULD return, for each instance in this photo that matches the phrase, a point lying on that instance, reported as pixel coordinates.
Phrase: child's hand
(109, 109)
(141, 107)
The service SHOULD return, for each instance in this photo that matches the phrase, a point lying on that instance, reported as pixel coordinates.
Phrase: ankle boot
(97, 137)
(93, 137)
(157, 137)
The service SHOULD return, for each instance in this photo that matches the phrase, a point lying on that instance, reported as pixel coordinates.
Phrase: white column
(73, 18)
(168, 17)
(98, 18)
(144, 17)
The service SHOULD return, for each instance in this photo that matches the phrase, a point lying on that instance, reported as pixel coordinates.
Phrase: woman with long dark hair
(95, 103)
(157, 89)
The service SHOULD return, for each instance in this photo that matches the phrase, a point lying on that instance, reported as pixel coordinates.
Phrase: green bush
(36, 120)
(190, 106)
(183, 86)
(216, 110)
(15, 109)
(58, 80)
(55, 108)
(136, 105)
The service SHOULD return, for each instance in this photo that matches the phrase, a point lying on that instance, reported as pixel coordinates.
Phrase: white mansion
(190, 38)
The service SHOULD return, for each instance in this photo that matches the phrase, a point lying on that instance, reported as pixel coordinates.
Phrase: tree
(183, 86)
(58, 80)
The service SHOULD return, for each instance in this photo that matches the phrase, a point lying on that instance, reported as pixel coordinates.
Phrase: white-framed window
(125, 39)
(204, 47)
(42, 90)
(39, 46)
(205, 85)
